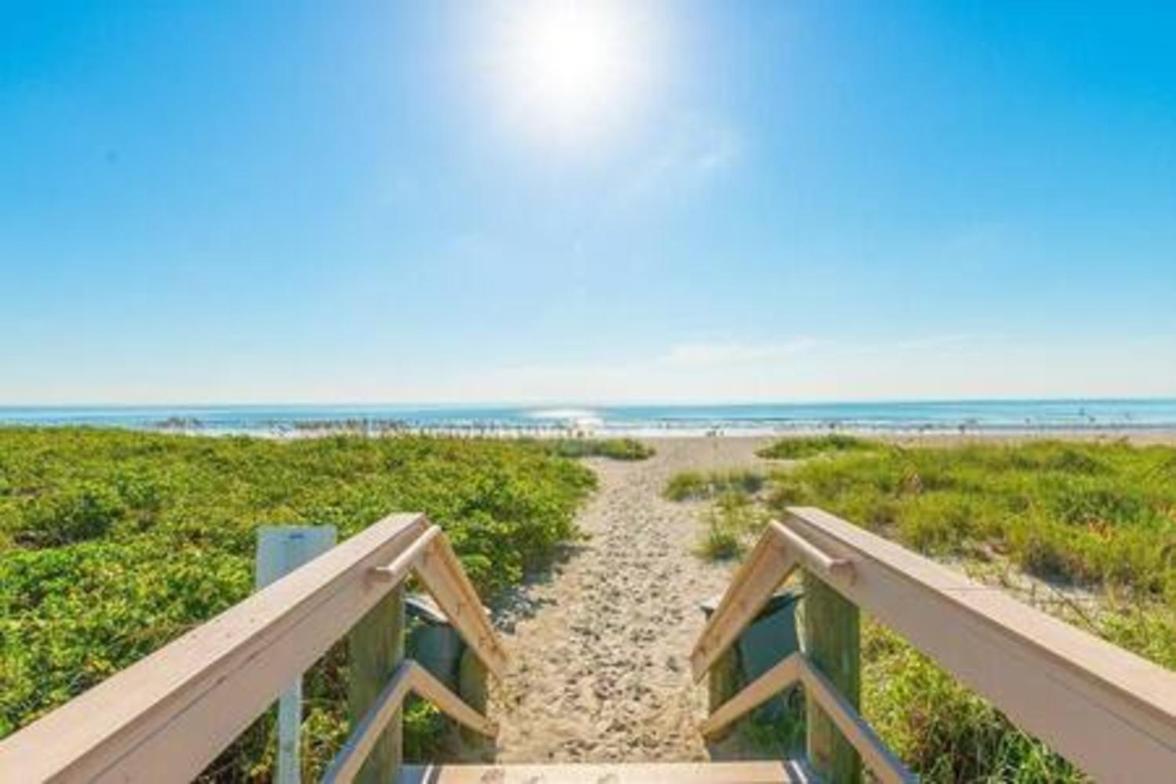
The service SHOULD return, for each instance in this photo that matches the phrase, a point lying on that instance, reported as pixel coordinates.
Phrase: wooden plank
(878, 757)
(433, 690)
(754, 694)
(796, 668)
(471, 688)
(1108, 711)
(832, 642)
(763, 772)
(165, 717)
(755, 581)
(368, 731)
(375, 651)
(723, 680)
(814, 559)
(394, 573)
(439, 570)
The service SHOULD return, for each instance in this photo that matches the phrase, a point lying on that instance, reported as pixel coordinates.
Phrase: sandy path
(599, 645)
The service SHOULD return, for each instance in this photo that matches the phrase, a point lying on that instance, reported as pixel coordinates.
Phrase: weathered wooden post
(832, 643)
(723, 681)
(375, 647)
(471, 687)
(280, 550)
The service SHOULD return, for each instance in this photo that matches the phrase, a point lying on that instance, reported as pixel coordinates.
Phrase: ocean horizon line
(574, 403)
(926, 416)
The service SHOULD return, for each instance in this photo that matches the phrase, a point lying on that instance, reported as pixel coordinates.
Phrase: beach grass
(699, 485)
(614, 448)
(1092, 520)
(113, 543)
(729, 523)
(799, 447)
(1088, 514)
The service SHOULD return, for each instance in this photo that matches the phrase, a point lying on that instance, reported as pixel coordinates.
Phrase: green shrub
(83, 511)
(730, 520)
(797, 447)
(942, 730)
(113, 543)
(719, 542)
(693, 485)
(1098, 514)
(615, 448)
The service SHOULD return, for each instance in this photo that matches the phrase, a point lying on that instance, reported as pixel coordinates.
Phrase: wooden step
(774, 772)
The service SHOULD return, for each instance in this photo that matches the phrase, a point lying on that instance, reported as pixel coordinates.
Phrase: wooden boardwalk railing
(166, 717)
(1110, 712)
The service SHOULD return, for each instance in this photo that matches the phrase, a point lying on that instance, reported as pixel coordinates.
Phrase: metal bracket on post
(280, 550)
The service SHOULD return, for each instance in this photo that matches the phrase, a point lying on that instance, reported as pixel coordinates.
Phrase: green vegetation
(940, 729)
(615, 448)
(798, 447)
(1102, 516)
(1086, 513)
(113, 543)
(693, 485)
(1097, 517)
(730, 522)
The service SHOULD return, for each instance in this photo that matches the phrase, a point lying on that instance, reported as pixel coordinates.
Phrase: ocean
(998, 416)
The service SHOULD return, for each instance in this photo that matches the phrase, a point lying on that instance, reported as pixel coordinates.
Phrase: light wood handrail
(754, 582)
(783, 674)
(408, 677)
(796, 668)
(439, 570)
(837, 568)
(167, 716)
(1109, 711)
(874, 752)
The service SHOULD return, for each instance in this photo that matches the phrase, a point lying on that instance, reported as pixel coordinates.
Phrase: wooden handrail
(755, 581)
(167, 716)
(409, 677)
(877, 756)
(782, 675)
(1110, 712)
(813, 557)
(796, 668)
(439, 570)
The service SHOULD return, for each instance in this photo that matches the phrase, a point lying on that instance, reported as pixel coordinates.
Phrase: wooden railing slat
(755, 581)
(408, 677)
(796, 668)
(874, 752)
(453, 706)
(1109, 711)
(367, 731)
(439, 570)
(754, 694)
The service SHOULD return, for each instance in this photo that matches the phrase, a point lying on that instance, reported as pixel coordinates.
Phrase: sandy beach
(599, 642)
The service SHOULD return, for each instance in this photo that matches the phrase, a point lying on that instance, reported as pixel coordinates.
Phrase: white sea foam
(565, 414)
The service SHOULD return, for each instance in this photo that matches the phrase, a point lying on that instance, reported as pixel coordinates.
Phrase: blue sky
(372, 202)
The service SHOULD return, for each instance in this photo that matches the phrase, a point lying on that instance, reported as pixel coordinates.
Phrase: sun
(566, 68)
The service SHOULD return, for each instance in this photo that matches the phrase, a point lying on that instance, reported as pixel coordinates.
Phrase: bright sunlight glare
(568, 69)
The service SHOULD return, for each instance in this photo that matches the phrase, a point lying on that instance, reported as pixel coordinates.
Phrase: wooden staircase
(623, 773)
(168, 716)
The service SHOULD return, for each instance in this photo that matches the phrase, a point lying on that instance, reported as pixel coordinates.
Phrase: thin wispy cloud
(940, 341)
(734, 353)
(690, 154)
